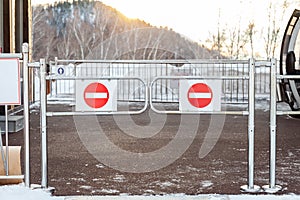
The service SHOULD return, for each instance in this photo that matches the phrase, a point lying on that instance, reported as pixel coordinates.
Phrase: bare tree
(65, 47)
(231, 42)
(43, 39)
(84, 36)
(89, 29)
(273, 27)
(250, 32)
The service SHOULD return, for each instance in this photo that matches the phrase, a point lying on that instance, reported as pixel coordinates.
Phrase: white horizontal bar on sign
(199, 95)
(96, 95)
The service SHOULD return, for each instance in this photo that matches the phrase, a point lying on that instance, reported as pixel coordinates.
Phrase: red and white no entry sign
(96, 95)
(200, 95)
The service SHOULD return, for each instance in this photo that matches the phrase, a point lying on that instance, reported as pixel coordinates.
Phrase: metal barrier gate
(79, 78)
(250, 78)
(246, 80)
(235, 91)
(144, 89)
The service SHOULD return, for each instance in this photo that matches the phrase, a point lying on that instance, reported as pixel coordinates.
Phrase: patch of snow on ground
(17, 192)
(187, 197)
(206, 184)
(164, 184)
(108, 191)
(119, 178)
(86, 187)
(100, 166)
(78, 179)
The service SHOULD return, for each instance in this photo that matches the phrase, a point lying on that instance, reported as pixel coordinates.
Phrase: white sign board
(10, 90)
(200, 95)
(96, 95)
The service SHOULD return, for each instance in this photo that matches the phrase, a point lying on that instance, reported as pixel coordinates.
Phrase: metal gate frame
(234, 91)
(275, 78)
(44, 114)
(250, 113)
(250, 187)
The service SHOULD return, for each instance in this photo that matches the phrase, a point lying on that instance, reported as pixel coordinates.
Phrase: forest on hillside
(88, 29)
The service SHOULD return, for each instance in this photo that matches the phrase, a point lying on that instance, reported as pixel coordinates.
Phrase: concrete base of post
(272, 190)
(247, 189)
(39, 187)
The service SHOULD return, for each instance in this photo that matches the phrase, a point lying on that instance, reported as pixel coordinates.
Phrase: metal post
(251, 107)
(25, 52)
(6, 142)
(272, 188)
(2, 152)
(12, 24)
(43, 100)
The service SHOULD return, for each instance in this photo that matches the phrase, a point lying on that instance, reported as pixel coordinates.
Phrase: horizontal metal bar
(200, 112)
(86, 113)
(202, 77)
(51, 77)
(34, 65)
(288, 76)
(11, 55)
(263, 63)
(281, 112)
(209, 61)
(12, 177)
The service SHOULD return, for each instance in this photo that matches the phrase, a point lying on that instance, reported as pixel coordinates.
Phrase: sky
(192, 18)
(198, 19)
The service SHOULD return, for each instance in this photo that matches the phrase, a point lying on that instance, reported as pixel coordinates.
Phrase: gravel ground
(75, 171)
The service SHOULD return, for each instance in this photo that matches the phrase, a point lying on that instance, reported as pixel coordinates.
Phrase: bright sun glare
(193, 18)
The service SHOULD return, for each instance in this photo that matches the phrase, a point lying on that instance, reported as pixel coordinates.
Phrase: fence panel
(234, 91)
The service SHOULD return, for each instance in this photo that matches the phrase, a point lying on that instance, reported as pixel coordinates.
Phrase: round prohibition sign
(96, 95)
(200, 95)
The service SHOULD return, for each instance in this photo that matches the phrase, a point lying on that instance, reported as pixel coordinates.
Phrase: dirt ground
(74, 171)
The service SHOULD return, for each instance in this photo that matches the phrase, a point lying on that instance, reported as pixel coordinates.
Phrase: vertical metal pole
(12, 23)
(25, 51)
(19, 29)
(2, 153)
(272, 188)
(251, 108)
(43, 100)
(6, 142)
(273, 125)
